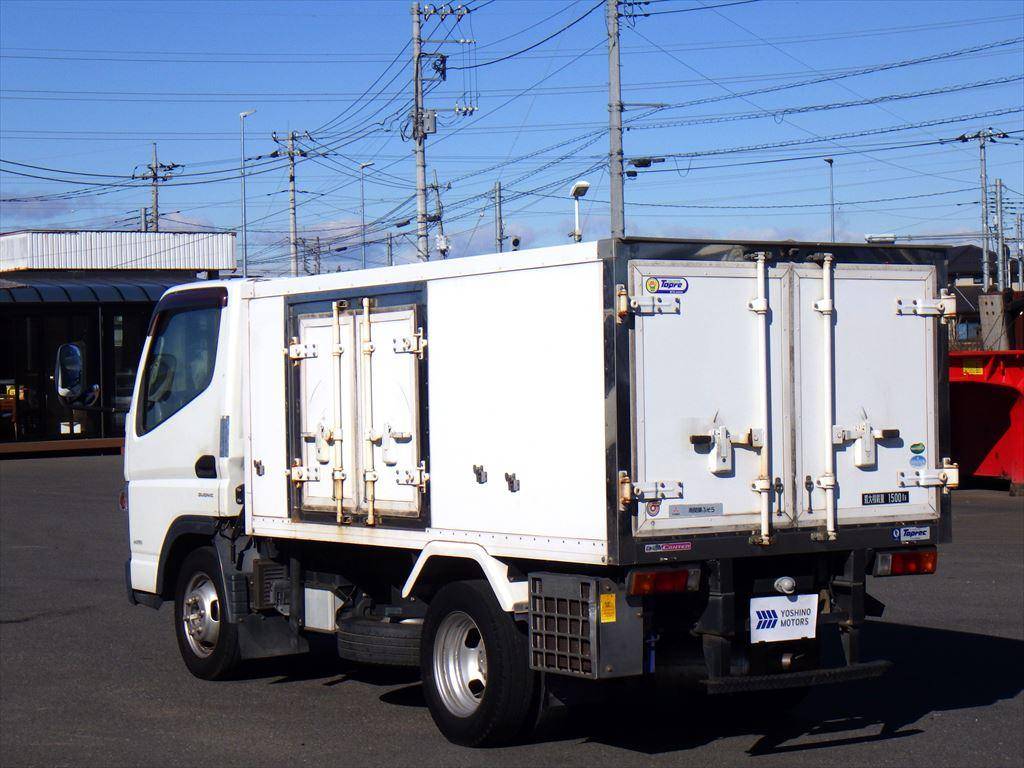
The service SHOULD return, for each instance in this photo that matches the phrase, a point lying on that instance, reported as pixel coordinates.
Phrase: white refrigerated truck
(606, 459)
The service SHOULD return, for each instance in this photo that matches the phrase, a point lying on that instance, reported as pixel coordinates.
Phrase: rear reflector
(122, 499)
(663, 580)
(905, 562)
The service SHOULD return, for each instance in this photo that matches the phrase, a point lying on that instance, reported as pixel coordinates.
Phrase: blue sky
(87, 86)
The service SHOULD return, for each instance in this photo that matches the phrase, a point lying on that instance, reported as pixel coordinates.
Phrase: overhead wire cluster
(376, 118)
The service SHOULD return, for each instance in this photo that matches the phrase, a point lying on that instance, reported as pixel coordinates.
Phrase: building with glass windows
(96, 289)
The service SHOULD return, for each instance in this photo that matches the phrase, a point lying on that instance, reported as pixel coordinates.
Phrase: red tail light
(906, 562)
(663, 580)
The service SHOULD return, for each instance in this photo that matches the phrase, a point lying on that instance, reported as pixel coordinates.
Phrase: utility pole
(316, 257)
(618, 210)
(390, 258)
(419, 139)
(157, 172)
(831, 199)
(1020, 253)
(293, 225)
(143, 219)
(362, 209)
(442, 241)
(499, 225)
(1000, 240)
(983, 137)
(156, 191)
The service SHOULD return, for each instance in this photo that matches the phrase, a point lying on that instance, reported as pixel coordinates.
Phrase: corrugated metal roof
(85, 289)
(194, 251)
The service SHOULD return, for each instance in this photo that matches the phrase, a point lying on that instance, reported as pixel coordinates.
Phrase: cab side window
(180, 363)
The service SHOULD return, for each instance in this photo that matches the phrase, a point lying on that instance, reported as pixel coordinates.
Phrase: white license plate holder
(783, 617)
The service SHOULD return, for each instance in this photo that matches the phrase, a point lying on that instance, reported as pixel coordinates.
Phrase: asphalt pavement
(86, 679)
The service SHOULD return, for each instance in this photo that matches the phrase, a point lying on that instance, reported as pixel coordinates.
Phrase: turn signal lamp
(907, 562)
(663, 580)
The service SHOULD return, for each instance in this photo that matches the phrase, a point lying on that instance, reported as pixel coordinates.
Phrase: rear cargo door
(883, 425)
(699, 383)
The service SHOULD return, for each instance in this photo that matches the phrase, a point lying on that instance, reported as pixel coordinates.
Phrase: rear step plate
(864, 671)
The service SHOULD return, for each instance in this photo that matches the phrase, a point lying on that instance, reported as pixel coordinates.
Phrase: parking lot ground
(87, 679)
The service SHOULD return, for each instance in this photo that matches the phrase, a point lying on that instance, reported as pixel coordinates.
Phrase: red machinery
(986, 395)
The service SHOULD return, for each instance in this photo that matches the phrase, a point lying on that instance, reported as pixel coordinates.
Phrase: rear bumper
(805, 679)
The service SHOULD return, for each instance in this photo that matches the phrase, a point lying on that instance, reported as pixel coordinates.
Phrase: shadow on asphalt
(936, 670)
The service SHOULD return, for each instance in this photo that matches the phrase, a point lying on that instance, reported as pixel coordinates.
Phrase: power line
(539, 43)
(783, 112)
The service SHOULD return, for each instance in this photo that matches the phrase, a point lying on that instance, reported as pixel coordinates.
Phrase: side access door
(355, 411)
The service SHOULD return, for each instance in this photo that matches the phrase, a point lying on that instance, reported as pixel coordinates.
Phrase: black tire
(371, 641)
(224, 654)
(507, 709)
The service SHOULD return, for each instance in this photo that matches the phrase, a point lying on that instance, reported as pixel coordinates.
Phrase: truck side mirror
(69, 372)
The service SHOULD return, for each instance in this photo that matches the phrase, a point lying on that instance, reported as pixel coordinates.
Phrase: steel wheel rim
(200, 615)
(460, 664)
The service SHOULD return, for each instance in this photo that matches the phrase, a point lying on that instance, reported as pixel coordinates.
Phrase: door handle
(206, 466)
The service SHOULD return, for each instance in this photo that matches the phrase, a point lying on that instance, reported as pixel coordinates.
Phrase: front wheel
(208, 643)
(476, 678)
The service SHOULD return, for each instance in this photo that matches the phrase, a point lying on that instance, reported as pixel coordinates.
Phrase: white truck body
(591, 408)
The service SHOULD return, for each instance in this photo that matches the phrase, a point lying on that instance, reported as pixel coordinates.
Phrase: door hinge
(655, 305)
(299, 351)
(413, 345)
(417, 476)
(300, 474)
(666, 489)
(947, 476)
(943, 307)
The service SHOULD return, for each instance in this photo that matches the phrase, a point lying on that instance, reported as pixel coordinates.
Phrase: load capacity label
(885, 497)
(786, 617)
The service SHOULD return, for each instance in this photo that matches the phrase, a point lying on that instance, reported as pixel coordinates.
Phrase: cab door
(176, 441)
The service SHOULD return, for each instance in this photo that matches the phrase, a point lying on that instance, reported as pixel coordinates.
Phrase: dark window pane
(179, 365)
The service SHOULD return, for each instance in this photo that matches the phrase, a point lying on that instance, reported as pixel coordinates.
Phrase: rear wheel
(476, 678)
(208, 643)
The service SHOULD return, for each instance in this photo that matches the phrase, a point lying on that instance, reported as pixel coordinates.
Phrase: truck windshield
(179, 365)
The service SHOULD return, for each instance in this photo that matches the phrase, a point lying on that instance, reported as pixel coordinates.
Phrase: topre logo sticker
(917, 448)
(667, 285)
(912, 533)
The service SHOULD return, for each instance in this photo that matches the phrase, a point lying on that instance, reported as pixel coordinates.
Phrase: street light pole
(579, 189)
(245, 238)
(831, 200)
(362, 210)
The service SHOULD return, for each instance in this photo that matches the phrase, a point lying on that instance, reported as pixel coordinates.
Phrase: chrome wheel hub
(460, 664)
(200, 615)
